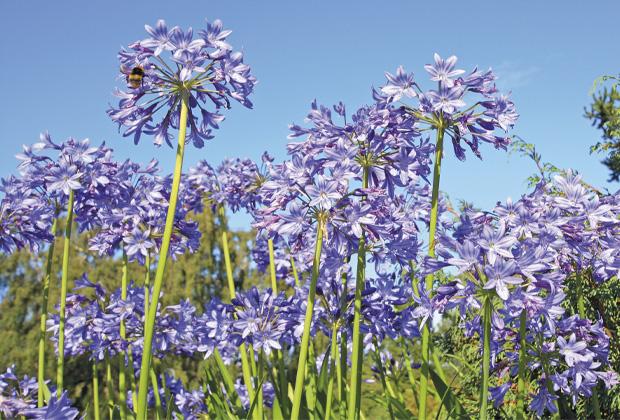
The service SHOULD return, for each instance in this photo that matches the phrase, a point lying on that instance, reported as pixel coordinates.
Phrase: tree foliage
(604, 113)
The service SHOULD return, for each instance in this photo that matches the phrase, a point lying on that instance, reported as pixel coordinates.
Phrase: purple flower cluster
(234, 184)
(25, 218)
(522, 253)
(18, 398)
(134, 218)
(446, 107)
(324, 180)
(173, 66)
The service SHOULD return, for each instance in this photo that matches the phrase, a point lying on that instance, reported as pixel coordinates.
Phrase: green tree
(604, 113)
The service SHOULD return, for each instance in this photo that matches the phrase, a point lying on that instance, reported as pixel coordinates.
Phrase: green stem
(161, 265)
(521, 384)
(122, 384)
(245, 365)
(386, 392)
(303, 350)
(109, 387)
(332, 373)
(341, 371)
(95, 390)
(63, 296)
(582, 314)
(486, 357)
(357, 356)
(429, 279)
(295, 276)
(158, 406)
(272, 266)
(259, 380)
(283, 398)
(147, 283)
(410, 374)
(42, 325)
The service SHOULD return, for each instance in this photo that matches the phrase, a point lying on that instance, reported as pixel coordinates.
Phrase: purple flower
(573, 350)
(500, 275)
(56, 408)
(138, 242)
(542, 401)
(497, 393)
(496, 243)
(204, 68)
(446, 99)
(400, 84)
(64, 178)
(443, 70)
(323, 193)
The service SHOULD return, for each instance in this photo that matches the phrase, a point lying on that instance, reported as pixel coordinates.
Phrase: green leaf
(323, 374)
(452, 403)
(255, 399)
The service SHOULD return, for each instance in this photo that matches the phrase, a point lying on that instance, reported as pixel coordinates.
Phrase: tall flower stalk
(122, 368)
(445, 111)
(43, 327)
(149, 324)
(357, 355)
(303, 350)
(245, 364)
(63, 295)
(429, 278)
(96, 412)
(166, 92)
(487, 312)
(283, 397)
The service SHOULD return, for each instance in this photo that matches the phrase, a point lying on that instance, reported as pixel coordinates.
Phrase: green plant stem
(161, 265)
(272, 266)
(295, 276)
(303, 349)
(259, 387)
(410, 374)
(341, 369)
(429, 279)
(95, 390)
(332, 367)
(521, 384)
(356, 354)
(283, 398)
(387, 393)
(122, 383)
(147, 282)
(581, 307)
(109, 387)
(158, 406)
(245, 365)
(63, 296)
(42, 325)
(486, 357)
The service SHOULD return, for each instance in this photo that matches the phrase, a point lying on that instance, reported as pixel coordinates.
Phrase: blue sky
(59, 67)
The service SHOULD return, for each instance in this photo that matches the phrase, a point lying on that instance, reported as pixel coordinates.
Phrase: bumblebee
(135, 77)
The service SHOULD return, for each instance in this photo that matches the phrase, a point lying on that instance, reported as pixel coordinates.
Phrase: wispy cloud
(512, 75)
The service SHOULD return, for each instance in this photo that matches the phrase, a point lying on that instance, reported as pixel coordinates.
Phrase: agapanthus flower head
(18, 399)
(25, 216)
(173, 65)
(466, 107)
